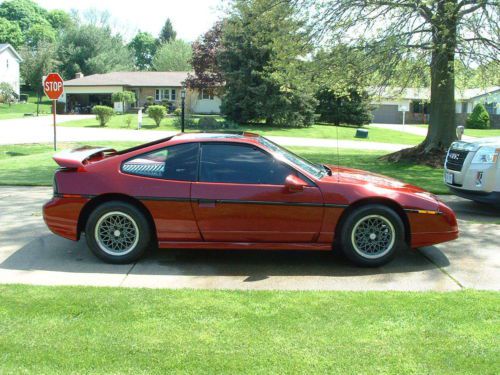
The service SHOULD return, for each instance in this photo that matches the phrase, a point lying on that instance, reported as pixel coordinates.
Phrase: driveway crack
(456, 281)
(128, 273)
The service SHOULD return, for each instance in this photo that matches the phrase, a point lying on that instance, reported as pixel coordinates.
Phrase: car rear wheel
(117, 232)
(372, 235)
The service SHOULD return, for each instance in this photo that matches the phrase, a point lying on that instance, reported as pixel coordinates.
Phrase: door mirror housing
(294, 184)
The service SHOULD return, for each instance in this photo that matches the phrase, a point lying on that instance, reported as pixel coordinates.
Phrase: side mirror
(294, 184)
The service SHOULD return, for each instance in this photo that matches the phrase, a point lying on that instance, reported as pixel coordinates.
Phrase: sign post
(53, 86)
(403, 108)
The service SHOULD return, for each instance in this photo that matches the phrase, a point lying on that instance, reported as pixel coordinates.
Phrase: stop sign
(53, 86)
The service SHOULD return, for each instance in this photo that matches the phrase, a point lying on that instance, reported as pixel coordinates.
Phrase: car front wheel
(371, 235)
(117, 232)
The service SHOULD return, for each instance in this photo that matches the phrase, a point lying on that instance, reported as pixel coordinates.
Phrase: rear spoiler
(79, 157)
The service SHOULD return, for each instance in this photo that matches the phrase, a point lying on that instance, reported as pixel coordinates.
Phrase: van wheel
(117, 232)
(372, 235)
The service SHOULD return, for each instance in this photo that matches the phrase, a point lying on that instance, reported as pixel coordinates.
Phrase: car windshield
(316, 170)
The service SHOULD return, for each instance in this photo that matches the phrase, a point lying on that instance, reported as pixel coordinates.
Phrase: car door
(240, 196)
(161, 180)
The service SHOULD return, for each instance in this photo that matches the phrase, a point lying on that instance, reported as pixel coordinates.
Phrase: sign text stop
(53, 86)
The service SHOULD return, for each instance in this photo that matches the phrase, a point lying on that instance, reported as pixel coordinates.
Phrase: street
(30, 254)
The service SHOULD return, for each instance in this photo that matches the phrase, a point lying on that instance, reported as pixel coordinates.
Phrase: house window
(167, 94)
(204, 94)
(7, 62)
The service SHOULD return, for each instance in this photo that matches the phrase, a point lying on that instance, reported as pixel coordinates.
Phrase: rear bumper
(478, 196)
(62, 214)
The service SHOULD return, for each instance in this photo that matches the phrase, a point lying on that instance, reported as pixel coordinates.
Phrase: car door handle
(206, 203)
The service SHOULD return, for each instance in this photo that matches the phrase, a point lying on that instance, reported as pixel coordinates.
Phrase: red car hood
(357, 176)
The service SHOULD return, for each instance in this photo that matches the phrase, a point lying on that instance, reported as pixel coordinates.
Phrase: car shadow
(51, 253)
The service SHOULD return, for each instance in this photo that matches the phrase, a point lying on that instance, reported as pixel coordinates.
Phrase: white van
(472, 169)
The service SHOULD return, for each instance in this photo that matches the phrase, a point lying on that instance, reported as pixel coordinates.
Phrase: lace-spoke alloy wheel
(118, 232)
(371, 235)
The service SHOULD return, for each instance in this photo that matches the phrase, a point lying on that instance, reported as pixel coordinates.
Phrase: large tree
(143, 46)
(24, 12)
(437, 31)
(10, 33)
(92, 49)
(167, 32)
(264, 44)
(174, 56)
(38, 61)
(207, 72)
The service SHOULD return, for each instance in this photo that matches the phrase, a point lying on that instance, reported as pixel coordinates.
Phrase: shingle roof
(153, 79)
(4, 46)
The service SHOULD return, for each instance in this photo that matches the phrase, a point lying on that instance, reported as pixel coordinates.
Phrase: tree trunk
(441, 132)
(442, 112)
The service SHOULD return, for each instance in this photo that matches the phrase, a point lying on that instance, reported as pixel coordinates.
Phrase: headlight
(485, 155)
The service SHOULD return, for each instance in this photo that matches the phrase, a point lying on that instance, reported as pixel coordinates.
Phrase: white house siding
(206, 106)
(9, 69)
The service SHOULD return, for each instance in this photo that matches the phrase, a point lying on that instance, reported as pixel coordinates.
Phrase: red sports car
(236, 191)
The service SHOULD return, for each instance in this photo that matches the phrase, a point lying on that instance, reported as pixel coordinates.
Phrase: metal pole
(54, 117)
(182, 115)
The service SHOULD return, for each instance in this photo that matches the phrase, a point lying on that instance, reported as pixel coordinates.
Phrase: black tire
(117, 224)
(372, 235)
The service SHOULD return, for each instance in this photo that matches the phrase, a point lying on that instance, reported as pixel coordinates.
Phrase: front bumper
(61, 214)
(478, 196)
(431, 229)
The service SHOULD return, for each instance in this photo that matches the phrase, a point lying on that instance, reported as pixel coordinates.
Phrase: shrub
(157, 113)
(189, 122)
(177, 112)
(208, 123)
(229, 124)
(165, 103)
(103, 113)
(149, 100)
(128, 120)
(479, 118)
(352, 109)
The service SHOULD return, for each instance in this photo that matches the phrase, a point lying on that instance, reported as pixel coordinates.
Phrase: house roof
(4, 46)
(425, 93)
(152, 79)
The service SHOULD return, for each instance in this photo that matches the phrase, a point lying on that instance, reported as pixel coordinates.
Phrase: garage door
(387, 114)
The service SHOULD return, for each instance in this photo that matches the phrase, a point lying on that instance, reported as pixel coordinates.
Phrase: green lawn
(17, 110)
(315, 131)
(82, 330)
(33, 164)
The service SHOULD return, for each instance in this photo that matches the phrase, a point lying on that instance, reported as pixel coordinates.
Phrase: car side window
(240, 164)
(177, 162)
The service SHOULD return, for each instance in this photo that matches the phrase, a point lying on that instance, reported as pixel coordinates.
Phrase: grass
(60, 330)
(17, 110)
(33, 164)
(315, 131)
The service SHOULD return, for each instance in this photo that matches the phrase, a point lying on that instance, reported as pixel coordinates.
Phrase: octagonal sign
(53, 86)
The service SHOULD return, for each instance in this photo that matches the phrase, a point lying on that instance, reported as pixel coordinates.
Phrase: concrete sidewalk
(30, 254)
(39, 130)
(411, 129)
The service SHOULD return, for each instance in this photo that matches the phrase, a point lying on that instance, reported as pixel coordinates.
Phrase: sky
(190, 18)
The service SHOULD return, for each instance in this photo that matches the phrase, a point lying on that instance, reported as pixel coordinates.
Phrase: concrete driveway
(30, 254)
